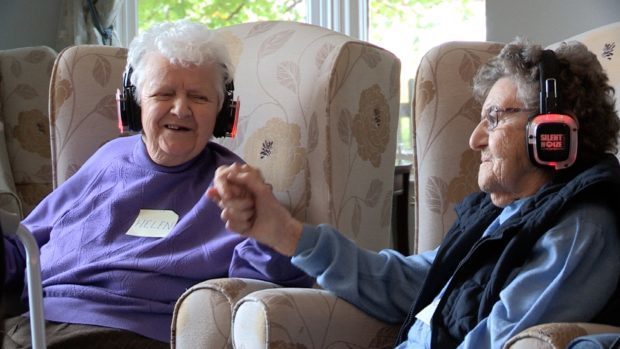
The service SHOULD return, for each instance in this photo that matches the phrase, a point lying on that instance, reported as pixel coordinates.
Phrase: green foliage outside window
(218, 13)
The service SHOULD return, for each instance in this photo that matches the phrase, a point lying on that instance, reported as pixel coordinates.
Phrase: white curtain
(78, 25)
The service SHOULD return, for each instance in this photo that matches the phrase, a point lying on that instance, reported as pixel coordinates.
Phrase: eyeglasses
(493, 113)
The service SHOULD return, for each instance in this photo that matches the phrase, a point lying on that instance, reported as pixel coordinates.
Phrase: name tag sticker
(154, 223)
(426, 314)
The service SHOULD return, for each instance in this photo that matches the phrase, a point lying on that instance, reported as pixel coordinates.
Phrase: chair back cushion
(319, 112)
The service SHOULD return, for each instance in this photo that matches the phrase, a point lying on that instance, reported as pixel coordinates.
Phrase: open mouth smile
(175, 127)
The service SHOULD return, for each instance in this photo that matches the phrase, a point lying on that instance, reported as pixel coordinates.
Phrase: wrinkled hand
(250, 208)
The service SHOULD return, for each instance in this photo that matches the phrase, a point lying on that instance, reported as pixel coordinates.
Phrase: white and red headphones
(551, 136)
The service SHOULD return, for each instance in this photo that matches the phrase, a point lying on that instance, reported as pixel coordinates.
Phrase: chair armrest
(306, 318)
(202, 315)
(555, 335)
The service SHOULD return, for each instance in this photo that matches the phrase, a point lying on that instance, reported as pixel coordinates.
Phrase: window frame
(346, 16)
(127, 22)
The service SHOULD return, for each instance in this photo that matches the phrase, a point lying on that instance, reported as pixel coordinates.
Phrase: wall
(28, 23)
(547, 21)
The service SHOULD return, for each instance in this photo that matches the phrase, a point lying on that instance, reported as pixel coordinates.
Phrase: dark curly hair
(583, 86)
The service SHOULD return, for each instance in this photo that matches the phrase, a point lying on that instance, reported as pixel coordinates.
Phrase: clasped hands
(250, 208)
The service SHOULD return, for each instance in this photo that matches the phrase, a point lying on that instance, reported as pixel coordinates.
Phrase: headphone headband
(549, 70)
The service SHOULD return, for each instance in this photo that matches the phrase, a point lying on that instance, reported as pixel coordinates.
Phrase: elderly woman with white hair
(128, 233)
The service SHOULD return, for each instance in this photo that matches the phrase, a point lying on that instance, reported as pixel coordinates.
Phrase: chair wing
(25, 164)
(445, 169)
(82, 104)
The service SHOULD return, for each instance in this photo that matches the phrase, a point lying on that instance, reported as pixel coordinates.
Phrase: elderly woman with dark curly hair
(542, 235)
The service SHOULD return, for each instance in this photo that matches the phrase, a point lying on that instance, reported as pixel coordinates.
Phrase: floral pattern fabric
(318, 109)
(24, 85)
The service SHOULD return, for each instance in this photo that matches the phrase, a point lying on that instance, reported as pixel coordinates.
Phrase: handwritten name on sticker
(153, 223)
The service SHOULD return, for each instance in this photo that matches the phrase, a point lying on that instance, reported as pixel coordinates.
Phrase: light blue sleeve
(570, 276)
(384, 284)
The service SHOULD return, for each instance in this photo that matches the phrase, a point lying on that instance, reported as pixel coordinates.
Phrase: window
(408, 28)
(346, 16)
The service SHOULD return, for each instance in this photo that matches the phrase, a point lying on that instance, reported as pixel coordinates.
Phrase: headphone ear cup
(129, 111)
(134, 111)
(226, 120)
(552, 140)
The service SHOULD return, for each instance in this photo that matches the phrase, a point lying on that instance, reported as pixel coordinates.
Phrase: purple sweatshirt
(93, 272)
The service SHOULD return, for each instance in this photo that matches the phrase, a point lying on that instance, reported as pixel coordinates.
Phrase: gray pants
(16, 335)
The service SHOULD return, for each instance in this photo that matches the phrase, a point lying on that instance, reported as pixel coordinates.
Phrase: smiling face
(179, 107)
(506, 172)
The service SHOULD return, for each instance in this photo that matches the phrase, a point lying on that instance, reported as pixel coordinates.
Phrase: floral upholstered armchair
(445, 168)
(318, 116)
(319, 113)
(25, 165)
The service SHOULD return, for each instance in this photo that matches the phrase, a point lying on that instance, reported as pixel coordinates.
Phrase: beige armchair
(329, 105)
(25, 166)
(318, 115)
(445, 169)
